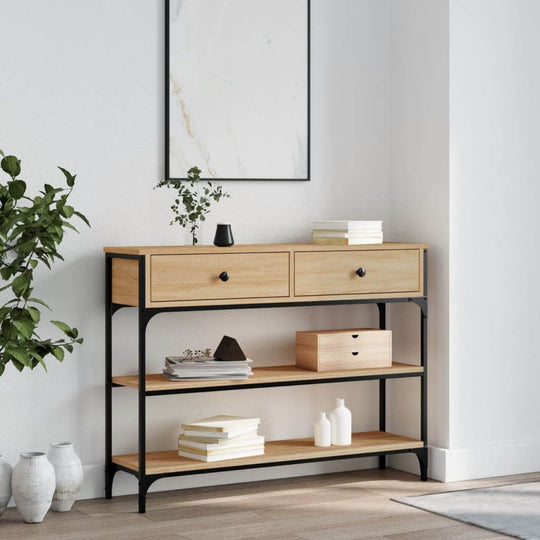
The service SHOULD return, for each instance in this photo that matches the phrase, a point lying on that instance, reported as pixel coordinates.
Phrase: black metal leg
(144, 484)
(423, 305)
(382, 385)
(143, 322)
(109, 473)
(422, 455)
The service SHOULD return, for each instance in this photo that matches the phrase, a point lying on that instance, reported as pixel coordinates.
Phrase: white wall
(81, 85)
(418, 112)
(494, 193)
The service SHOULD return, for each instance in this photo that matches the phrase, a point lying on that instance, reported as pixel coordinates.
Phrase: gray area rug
(513, 510)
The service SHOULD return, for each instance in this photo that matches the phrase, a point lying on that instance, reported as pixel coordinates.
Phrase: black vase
(224, 237)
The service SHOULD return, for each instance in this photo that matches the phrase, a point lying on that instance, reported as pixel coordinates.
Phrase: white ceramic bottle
(69, 475)
(341, 421)
(5, 483)
(33, 483)
(322, 431)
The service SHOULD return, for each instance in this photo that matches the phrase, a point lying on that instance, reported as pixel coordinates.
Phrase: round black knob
(361, 272)
(224, 276)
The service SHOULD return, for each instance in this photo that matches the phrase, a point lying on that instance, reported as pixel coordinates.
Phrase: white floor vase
(5, 483)
(69, 475)
(33, 483)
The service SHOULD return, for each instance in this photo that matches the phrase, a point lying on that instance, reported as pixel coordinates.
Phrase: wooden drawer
(328, 273)
(196, 277)
(327, 350)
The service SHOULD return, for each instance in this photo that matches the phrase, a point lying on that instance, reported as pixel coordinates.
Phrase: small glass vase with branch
(193, 200)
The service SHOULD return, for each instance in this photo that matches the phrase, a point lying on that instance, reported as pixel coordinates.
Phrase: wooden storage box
(327, 350)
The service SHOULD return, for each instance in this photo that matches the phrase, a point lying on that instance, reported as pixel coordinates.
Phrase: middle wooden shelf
(157, 384)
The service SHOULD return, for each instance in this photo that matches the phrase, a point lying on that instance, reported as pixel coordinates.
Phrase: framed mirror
(237, 89)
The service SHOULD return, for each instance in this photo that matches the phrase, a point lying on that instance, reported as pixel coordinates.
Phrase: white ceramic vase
(69, 475)
(322, 431)
(5, 483)
(33, 483)
(341, 420)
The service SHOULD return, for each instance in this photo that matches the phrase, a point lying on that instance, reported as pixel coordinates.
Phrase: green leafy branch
(31, 229)
(193, 200)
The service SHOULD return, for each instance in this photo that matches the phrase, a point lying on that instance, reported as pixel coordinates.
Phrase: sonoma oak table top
(250, 248)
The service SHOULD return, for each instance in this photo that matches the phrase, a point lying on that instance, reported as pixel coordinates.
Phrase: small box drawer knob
(361, 272)
(355, 353)
(224, 276)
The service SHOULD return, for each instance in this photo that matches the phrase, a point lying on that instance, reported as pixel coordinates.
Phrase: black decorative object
(224, 237)
(229, 351)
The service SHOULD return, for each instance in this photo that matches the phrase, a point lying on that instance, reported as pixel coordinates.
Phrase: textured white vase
(5, 483)
(33, 483)
(69, 475)
(322, 430)
(341, 420)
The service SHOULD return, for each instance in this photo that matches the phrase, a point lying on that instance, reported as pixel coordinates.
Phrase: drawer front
(334, 272)
(196, 277)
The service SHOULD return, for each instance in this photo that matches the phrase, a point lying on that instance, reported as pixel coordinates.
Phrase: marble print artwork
(238, 73)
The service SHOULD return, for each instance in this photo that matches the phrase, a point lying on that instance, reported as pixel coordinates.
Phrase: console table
(187, 278)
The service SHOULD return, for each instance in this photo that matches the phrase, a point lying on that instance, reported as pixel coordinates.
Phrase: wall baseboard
(452, 465)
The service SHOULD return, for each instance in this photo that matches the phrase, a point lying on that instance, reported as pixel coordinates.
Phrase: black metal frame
(167, 106)
(145, 315)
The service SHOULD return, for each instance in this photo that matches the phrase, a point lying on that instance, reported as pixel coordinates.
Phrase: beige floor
(337, 506)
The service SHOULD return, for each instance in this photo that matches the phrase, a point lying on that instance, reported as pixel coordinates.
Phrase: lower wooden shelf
(275, 452)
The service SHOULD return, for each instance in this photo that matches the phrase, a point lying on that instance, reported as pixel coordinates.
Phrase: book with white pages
(347, 225)
(208, 444)
(192, 370)
(207, 377)
(221, 434)
(221, 457)
(223, 422)
(220, 451)
(347, 241)
(344, 234)
(177, 362)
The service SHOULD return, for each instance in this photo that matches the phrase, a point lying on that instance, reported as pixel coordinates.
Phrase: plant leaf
(17, 364)
(11, 165)
(38, 301)
(16, 188)
(26, 328)
(21, 355)
(20, 284)
(34, 313)
(82, 216)
(58, 352)
(70, 178)
(63, 326)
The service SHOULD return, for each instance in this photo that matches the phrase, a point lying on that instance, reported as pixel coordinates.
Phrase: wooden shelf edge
(275, 452)
(156, 382)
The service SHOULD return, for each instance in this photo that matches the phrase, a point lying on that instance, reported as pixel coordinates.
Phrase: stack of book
(349, 233)
(178, 368)
(221, 437)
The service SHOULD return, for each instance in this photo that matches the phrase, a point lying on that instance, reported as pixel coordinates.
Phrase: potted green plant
(193, 199)
(31, 229)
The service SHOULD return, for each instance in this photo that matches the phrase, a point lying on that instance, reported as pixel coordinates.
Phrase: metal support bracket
(422, 455)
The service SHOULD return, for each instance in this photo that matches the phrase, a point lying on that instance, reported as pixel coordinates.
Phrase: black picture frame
(167, 108)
